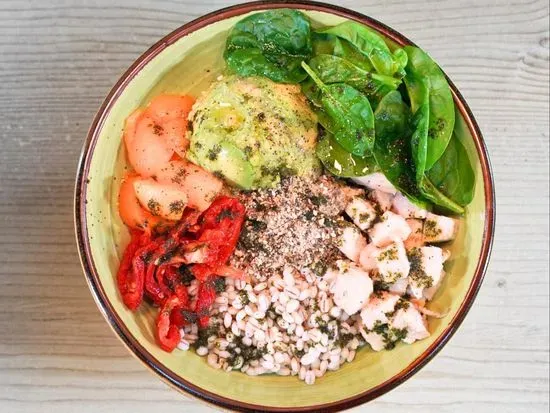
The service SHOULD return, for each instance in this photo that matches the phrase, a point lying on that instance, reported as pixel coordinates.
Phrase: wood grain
(58, 59)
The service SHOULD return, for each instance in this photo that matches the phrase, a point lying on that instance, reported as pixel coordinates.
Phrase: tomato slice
(165, 200)
(167, 107)
(148, 151)
(130, 210)
(201, 186)
(130, 126)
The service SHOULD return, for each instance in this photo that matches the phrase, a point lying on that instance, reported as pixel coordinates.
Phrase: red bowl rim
(117, 324)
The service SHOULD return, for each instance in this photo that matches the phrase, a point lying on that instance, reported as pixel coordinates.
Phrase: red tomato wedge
(201, 186)
(148, 150)
(130, 210)
(160, 199)
(175, 135)
(130, 126)
(166, 107)
(172, 112)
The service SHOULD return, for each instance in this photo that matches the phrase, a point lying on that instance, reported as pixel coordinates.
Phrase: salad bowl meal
(284, 206)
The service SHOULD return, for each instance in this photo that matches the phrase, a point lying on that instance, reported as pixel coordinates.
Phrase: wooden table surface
(58, 59)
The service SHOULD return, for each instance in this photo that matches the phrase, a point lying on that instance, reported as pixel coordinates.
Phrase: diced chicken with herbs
(388, 318)
(351, 287)
(391, 243)
(376, 181)
(361, 212)
(381, 199)
(351, 242)
(438, 228)
(391, 227)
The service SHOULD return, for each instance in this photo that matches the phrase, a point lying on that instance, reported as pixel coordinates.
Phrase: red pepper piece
(202, 271)
(226, 214)
(130, 282)
(152, 287)
(206, 296)
(168, 334)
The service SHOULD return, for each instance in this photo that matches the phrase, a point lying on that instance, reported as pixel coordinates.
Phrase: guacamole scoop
(252, 131)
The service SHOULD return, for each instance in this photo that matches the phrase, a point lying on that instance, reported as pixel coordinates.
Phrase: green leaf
(349, 114)
(391, 147)
(340, 162)
(324, 43)
(271, 44)
(430, 192)
(372, 45)
(453, 174)
(334, 69)
(422, 69)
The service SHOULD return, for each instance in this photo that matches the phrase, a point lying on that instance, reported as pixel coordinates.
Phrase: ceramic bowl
(186, 61)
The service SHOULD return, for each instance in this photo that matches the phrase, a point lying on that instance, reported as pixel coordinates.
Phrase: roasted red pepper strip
(130, 282)
(168, 334)
(226, 214)
(206, 296)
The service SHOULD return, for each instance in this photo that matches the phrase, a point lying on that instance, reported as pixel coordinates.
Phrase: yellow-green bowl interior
(188, 66)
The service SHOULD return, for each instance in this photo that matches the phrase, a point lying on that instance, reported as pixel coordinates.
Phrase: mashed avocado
(253, 131)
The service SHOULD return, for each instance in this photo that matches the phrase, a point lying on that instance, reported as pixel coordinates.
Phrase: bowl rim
(91, 273)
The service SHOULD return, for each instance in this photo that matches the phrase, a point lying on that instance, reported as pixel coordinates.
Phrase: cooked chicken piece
(429, 293)
(367, 257)
(392, 263)
(416, 239)
(351, 287)
(382, 199)
(392, 227)
(379, 305)
(377, 181)
(411, 323)
(426, 269)
(375, 340)
(361, 212)
(351, 242)
(403, 206)
(400, 286)
(438, 228)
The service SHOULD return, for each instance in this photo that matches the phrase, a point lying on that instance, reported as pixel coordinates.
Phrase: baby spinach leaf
(349, 113)
(391, 147)
(419, 146)
(271, 44)
(453, 174)
(430, 192)
(324, 43)
(441, 106)
(334, 69)
(372, 45)
(340, 162)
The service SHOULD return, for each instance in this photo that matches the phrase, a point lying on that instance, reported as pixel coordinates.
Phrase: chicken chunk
(392, 227)
(351, 242)
(392, 263)
(402, 206)
(351, 287)
(400, 286)
(426, 269)
(410, 323)
(377, 309)
(367, 257)
(438, 228)
(361, 212)
(376, 181)
(416, 239)
(382, 199)
(430, 292)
